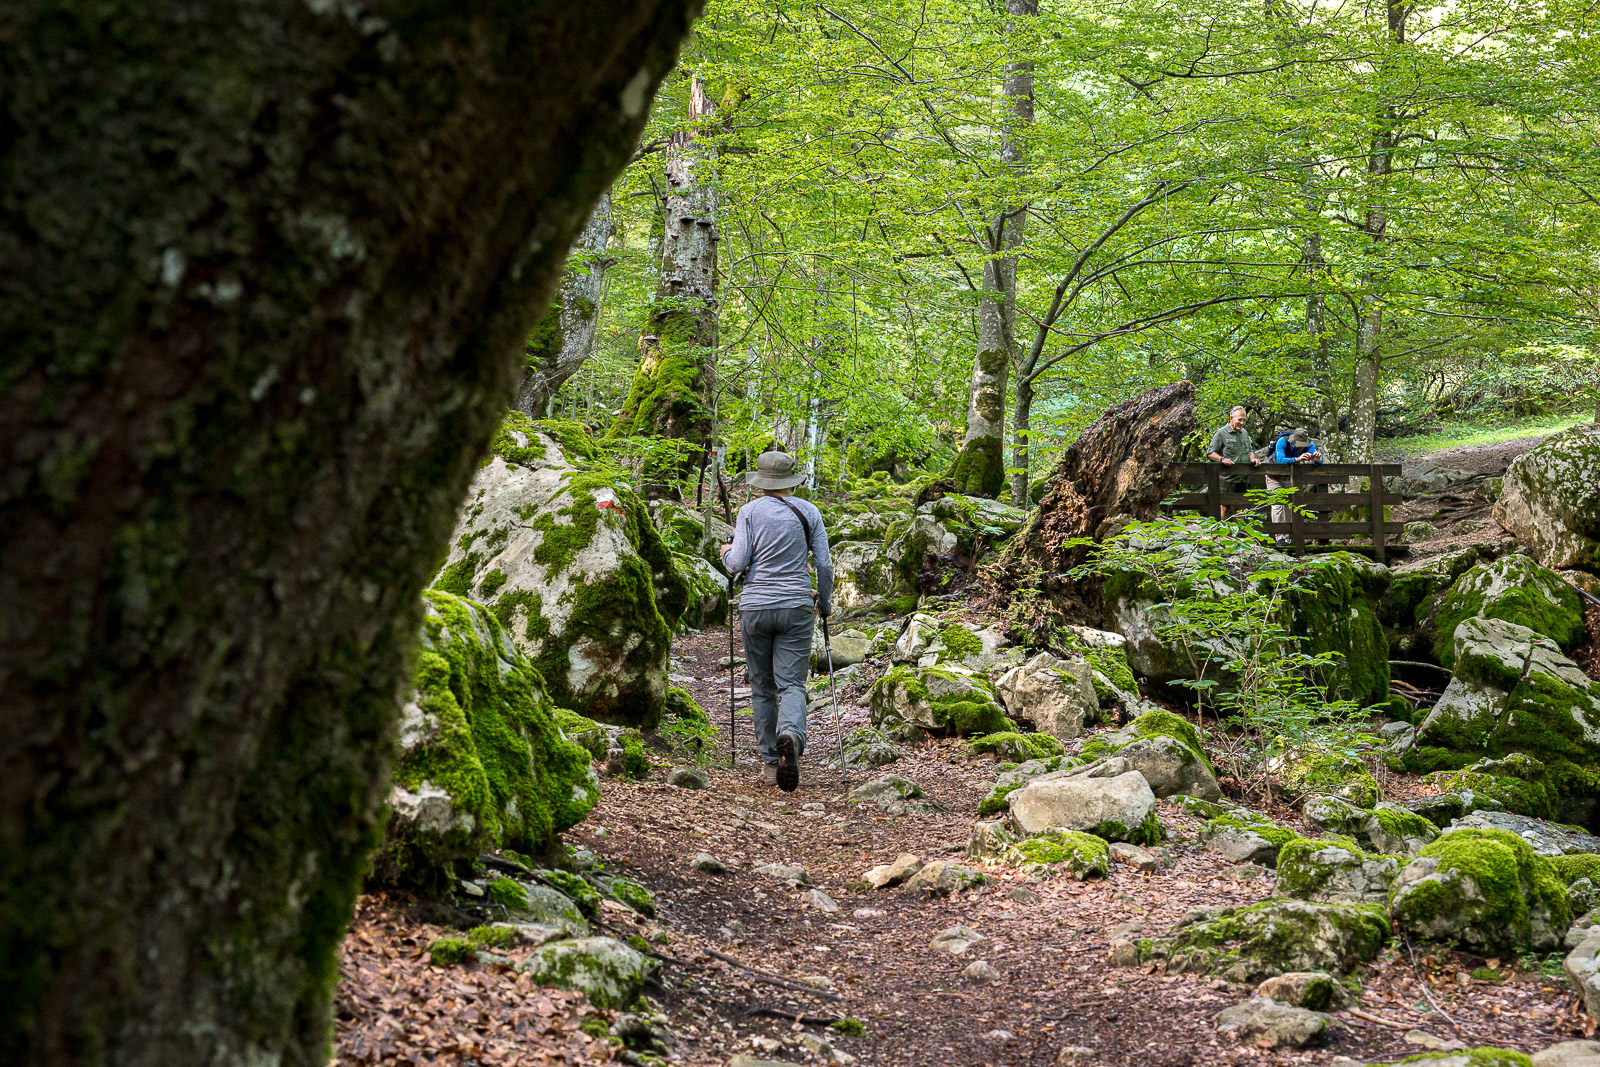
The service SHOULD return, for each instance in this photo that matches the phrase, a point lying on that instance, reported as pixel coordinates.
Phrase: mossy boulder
(950, 701)
(1107, 655)
(1073, 852)
(1486, 890)
(1550, 499)
(483, 763)
(1416, 585)
(868, 746)
(1307, 771)
(1514, 589)
(606, 971)
(945, 530)
(565, 554)
(1011, 747)
(1056, 695)
(1331, 603)
(1334, 870)
(1165, 749)
(1272, 937)
(927, 641)
(1245, 836)
(863, 576)
(1486, 1056)
(1514, 691)
(1015, 777)
(706, 602)
(1118, 807)
(1384, 829)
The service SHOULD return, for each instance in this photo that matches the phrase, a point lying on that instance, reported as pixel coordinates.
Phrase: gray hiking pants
(777, 651)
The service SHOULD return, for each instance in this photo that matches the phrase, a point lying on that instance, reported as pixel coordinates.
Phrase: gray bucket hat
(1301, 437)
(775, 470)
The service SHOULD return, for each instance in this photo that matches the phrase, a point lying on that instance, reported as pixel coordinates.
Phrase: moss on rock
(1017, 747)
(1514, 589)
(1080, 854)
(483, 763)
(1486, 889)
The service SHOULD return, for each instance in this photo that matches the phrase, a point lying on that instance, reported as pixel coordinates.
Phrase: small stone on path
(955, 940)
(868, 913)
(1569, 1054)
(688, 778)
(821, 901)
(706, 863)
(979, 971)
(1134, 856)
(786, 872)
(1024, 895)
(1000, 1037)
(888, 875)
(1073, 1055)
(1423, 1039)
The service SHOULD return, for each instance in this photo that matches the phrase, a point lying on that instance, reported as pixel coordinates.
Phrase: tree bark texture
(269, 268)
(673, 384)
(980, 467)
(564, 337)
(1118, 470)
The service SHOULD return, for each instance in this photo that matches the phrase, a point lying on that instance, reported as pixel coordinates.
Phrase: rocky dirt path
(1046, 941)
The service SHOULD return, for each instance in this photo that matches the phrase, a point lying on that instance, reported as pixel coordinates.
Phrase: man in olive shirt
(1231, 444)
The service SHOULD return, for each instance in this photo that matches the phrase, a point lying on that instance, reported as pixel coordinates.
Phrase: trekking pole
(833, 694)
(733, 720)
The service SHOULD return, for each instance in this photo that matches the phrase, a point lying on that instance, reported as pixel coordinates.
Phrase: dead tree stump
(1118, 470)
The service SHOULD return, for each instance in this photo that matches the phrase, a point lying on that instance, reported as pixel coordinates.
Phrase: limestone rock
(990, 841)
(1334, 871)
(1139, 859)
(1550, 499)
(1485, 889)
(1166, 750)
(568, 559)
(1514, 691)
(1018, 776)
(1065, 851)
(1513, 589)
(895, 794)
(1264, 1022)
(955, 940)
(1308, 771)
(849, 648)
(867, 746)
(706, 863)
(941, 700)
(483, 762)
(1273, 937)
(688, 778)
(1569, 1054)
(820, 900)
(980, 972)
(793, 874)
(1118, 809)
(1056, 695)
(1316, 990)
(1386, 828)
(888, 875)
(863, 576)
(1545, 838)
(1583, 971)
(1244, 836)
(940, 878)
(610, 974)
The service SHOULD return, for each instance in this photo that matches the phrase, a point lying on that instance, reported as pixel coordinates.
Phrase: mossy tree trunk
(564, 337)
(270, 268)
(980, 467)
(676, 377)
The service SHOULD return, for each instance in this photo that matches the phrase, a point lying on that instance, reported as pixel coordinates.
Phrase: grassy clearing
(1458, 435)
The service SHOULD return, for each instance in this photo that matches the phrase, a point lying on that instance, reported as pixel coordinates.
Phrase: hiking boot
(788, 763)
(769, 774)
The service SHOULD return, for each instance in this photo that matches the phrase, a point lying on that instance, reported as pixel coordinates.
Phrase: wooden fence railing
(1310, 482)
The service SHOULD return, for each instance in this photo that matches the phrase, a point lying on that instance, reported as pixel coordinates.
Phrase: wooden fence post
(1214, 490)
(1375, 496)
(1297, 533)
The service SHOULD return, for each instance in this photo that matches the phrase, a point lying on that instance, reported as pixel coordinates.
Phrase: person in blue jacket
(1294, 446)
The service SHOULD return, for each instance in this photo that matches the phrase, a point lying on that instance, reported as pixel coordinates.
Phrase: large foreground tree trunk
(672, 387)
(564, 337)
(268, 272)
(1118, 470)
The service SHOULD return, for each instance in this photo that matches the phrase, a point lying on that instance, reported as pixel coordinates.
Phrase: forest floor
(749, 952)
(758, 966)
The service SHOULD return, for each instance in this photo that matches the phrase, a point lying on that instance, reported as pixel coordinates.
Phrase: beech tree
(269, 272)
(564, 337)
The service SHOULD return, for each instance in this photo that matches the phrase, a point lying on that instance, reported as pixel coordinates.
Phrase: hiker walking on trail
(1231, 445)
(1294, 446)
(772, 536)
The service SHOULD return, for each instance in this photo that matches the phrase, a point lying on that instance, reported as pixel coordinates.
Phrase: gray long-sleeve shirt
(770, 543)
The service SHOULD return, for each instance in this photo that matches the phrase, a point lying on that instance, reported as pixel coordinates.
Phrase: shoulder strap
(805, 523)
